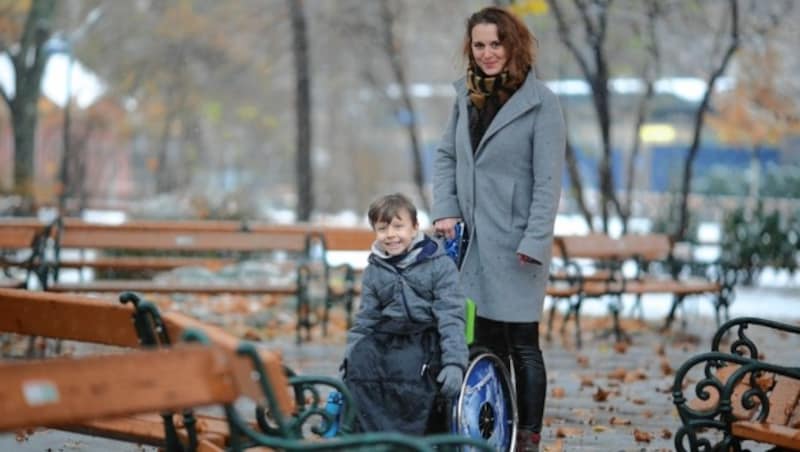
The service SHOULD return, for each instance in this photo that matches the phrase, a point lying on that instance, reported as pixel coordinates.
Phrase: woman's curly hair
(519, 42)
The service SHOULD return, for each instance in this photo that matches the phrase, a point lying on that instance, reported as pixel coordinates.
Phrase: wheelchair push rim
(486, 407)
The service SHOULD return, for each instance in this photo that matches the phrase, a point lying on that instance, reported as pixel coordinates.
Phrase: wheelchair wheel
(486, 407)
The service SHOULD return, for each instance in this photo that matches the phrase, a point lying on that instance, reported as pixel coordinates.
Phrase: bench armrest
(744, 345)
(731, 385)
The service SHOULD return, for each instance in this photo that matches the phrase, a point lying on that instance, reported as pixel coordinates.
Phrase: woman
(498, 169)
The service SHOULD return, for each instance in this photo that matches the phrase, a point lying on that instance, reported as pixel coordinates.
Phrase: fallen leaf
(587, 381)
(635, 375)
(564, 432)
(666, 434)
(583, 361)
(660, 351)
(641, 436)
(599, 428)
(617, 374)
(621, 347)
(600, 395)
(557, 446)
(666, 368)
(639, 401)
(558, 392)
(619, 421)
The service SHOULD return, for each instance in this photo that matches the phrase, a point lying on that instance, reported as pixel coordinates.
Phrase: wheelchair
(486, 406)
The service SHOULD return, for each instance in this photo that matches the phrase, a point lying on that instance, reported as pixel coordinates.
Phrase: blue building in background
(663, 165)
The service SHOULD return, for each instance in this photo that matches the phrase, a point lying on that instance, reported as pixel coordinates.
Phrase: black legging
(522, 340)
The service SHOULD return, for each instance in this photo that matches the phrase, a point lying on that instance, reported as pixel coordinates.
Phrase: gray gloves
(451, 378)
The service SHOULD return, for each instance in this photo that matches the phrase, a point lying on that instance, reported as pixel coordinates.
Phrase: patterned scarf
(487, 95)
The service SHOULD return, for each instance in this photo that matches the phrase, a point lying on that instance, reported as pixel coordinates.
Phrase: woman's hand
(446, 227)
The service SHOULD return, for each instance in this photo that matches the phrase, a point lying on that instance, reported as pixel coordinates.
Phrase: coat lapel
(520, 103)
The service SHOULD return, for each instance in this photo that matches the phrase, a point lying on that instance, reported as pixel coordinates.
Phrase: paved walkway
(633, 382)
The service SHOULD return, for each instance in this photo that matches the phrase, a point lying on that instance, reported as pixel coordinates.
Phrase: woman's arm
(549, 144)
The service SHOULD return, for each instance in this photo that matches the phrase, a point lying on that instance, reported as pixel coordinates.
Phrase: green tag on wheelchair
(469, 330)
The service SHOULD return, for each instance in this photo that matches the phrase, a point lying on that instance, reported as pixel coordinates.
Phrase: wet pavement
(602, 397)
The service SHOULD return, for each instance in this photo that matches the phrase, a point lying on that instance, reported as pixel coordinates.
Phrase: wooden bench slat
(592, 246)
(146, 263)
(778, 435)
(670, 286)
(66, 317)
(180, 241)
(149, 429)
(68, 390)
(783, 400)
(148, 286)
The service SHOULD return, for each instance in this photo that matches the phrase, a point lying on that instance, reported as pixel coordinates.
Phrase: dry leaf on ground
(619, 421)
(617, 374)
(600, 395)
(641, 436)
(564, 432)
(557, 446)
(558, 392)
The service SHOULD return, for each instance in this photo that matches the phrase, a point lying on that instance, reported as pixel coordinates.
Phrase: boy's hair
(386, 208)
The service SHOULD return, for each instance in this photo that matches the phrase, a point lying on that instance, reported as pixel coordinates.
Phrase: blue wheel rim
(486, 406)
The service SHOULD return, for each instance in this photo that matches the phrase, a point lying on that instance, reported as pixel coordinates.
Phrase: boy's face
(395, 238)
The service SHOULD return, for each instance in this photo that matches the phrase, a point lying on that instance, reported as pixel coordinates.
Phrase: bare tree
(650, 72)
(393, 49)
(699, 117)
(594, 21)
(305, 197)
(28, 57)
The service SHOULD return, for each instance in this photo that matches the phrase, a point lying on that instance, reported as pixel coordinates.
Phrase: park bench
(153, 246)
(118, 396)
(739, 395)
(593, 266)
(19, 245)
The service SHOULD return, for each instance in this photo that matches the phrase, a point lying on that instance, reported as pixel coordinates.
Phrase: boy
(409, 332)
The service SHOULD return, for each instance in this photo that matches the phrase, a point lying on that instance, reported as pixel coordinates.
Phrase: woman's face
(487, 51)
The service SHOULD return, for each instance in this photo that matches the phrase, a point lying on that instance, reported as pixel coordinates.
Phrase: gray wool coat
(507, 193)
(426, 291)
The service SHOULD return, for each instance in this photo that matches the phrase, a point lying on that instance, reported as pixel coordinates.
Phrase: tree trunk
(576, 185)
(393, 51)
(595, 72)
(305, 197)
(29, 61)
(641, 117)
(699, 119)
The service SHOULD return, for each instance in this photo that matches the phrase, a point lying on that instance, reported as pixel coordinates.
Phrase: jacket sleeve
(445, 197)
(449, 310)
(369, 313)
(549, 144)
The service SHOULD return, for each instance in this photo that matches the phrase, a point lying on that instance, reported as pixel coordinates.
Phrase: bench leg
(637, 306)
(677, 300)
(553, 303)
(578, 341)
(326, 314)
